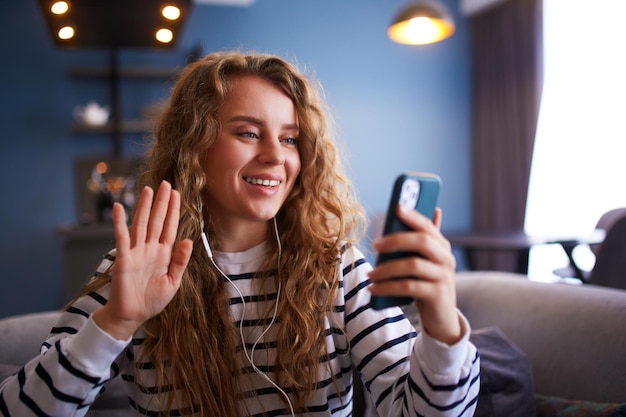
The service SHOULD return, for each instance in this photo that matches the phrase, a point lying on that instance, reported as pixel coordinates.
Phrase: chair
(610, 267)
(606, 223)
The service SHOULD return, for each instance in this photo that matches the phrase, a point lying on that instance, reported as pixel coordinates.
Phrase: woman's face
(254, 163)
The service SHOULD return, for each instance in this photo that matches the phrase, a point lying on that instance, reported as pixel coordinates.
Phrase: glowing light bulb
(66, 32)
(171, 12)
(164, 35)
(102, 167)
(60, 7)
(422, 30)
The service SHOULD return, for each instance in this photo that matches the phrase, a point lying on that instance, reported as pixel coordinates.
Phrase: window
(579, 162)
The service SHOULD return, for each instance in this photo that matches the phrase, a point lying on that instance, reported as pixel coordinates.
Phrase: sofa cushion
(506, 386)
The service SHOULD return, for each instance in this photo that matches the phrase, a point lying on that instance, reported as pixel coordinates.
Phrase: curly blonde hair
(320, 215)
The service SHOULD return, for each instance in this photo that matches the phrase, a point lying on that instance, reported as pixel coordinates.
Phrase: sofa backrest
(22, 336)
(573, 335)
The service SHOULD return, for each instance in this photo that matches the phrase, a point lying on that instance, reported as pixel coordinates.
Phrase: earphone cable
(250, 356)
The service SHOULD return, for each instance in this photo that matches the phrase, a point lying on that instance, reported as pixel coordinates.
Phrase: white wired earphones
(250, 356)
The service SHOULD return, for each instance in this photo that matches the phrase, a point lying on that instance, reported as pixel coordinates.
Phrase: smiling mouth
(265, 183)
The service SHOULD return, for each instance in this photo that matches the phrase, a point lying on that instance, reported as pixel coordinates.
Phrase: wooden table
(520, 243)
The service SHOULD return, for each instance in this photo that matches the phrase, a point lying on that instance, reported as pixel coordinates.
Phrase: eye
(248, 134)
(290, 141)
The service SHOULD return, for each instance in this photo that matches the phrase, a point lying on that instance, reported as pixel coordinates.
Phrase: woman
(239, 289)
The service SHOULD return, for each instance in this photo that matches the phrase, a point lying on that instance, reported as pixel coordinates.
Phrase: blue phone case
(419, 191)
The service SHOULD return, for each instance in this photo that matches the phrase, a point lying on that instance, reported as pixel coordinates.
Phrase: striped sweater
(405, 372)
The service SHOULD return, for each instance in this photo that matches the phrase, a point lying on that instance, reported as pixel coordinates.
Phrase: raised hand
(430, 278)
(148, 269)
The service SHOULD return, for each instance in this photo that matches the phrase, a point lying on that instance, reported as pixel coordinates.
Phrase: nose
(272, 152)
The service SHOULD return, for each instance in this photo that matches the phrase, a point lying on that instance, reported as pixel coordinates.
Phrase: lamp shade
(421, 22)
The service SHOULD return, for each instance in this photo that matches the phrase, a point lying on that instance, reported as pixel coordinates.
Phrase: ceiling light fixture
(115, 23)
(59, 7)
(164, 35)
(66, 32)
(422, 22)
(171, 12)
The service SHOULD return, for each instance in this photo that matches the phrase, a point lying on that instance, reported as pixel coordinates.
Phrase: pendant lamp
(421, 22)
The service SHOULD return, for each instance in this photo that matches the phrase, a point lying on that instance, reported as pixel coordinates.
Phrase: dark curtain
(507, 53)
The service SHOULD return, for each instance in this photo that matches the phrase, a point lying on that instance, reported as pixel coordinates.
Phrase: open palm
(148, 268)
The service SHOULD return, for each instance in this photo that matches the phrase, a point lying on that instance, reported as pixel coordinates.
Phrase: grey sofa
(574, 336)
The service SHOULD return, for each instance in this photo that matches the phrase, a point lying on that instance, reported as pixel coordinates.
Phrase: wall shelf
(113, 73)
(124, 72)
(125, 126)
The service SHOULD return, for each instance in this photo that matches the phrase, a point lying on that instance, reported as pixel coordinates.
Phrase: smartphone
(414, 190)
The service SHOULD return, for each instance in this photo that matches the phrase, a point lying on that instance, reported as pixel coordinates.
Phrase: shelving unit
(113, 73)
(124, 72)
(125, 126)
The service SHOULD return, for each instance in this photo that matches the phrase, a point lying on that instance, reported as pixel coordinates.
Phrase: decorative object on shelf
(102, 181)
(110, 188)
(422, 22)
(113, 73)
(115, 23)
(92, 114)
(122, 126)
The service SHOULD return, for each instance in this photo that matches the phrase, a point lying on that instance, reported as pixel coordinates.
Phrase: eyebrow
(259, 122)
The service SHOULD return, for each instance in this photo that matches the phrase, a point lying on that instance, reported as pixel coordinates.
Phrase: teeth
(266, 183)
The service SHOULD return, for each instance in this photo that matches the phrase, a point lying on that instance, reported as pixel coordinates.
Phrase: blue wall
(396, 108)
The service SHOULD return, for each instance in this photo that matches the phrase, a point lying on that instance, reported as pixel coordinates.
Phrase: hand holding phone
(413, 190)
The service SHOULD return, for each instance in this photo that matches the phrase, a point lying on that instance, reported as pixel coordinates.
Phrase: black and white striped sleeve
(68, 374)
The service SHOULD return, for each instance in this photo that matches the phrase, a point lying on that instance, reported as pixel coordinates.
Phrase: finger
(398, 288)
(437, 218)
(120, 229)
(413, 267)
(159, 211)
(180, 259)
(172, 219)
(140, 221)
(430, 246)
(419, 222)
(415, 220)
(410, 287)
(432, 278)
